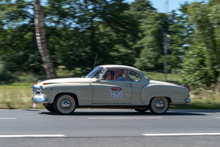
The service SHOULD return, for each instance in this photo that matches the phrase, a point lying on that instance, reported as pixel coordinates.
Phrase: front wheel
(65, 104)
(159, 105)
(50, 107)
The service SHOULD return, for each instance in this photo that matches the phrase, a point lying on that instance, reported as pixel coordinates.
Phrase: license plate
(34, 105)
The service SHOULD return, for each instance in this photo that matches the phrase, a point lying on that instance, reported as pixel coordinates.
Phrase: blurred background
(128, 32)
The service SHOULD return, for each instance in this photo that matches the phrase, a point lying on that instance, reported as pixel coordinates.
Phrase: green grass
(16, 96)
(160, 76)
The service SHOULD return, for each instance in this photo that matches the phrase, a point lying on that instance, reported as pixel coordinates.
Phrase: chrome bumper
(188, 100)
(40, 100)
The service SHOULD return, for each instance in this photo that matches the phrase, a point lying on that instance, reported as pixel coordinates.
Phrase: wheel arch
(167, 97)
(69, 93)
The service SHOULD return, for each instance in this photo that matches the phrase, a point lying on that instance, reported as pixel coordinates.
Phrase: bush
(30, 78)
(6, 77)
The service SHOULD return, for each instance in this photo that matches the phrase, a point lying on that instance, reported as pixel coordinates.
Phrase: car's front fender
(82, 91)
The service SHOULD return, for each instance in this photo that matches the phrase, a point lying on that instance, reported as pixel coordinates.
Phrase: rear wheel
(141, 110)
(65, 104)
(159, 105)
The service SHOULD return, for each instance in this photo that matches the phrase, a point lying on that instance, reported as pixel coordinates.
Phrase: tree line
(116, 31)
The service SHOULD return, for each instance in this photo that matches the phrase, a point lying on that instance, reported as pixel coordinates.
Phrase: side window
(134, 76)
(125, 74)
(116, 74)
(109, 75)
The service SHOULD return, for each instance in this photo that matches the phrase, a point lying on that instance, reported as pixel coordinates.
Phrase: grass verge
(196, 105)
(16, 96)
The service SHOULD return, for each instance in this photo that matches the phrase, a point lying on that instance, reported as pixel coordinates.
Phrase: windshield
(146, 77)
(95, 73)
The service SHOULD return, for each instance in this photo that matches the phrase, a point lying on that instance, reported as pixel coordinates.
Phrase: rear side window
(134, 76)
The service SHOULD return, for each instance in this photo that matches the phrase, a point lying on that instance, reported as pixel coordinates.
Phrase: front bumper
(40, 100)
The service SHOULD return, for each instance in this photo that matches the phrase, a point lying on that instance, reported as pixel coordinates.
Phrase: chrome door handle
(127, 84)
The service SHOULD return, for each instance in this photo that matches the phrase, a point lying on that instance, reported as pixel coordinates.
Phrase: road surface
(110, 128)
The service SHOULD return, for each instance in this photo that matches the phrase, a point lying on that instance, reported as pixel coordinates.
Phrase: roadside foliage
(116, 32)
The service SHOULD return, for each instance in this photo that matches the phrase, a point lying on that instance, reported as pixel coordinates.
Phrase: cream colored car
(109, 86)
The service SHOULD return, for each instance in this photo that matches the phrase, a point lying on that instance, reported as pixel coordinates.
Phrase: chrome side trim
(40, 100)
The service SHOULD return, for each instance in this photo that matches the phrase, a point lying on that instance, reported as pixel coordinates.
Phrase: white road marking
(8, 118)
(124, 117)
(21, 136)
(218, 117)
(183, 134)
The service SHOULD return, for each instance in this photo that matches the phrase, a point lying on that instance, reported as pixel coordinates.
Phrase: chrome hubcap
(65, 103)
(159, 104)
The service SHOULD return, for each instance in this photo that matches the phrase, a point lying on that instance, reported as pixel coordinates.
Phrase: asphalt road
(110, 128)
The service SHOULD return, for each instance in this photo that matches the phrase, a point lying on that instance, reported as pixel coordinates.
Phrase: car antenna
(95, 59)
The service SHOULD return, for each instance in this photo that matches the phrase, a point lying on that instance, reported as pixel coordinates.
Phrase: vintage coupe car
(109, 86)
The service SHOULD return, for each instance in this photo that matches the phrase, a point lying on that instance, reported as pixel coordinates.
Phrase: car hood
(66, 80)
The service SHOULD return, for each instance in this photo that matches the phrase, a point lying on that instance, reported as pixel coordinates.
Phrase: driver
(110, 75)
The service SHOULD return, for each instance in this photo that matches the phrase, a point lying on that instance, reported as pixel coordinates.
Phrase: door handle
(127, 84)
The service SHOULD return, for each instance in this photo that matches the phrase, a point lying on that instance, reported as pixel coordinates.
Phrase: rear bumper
(40, 100)
(188, 100)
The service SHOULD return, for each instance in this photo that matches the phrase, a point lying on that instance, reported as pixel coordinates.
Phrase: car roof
(119, 66)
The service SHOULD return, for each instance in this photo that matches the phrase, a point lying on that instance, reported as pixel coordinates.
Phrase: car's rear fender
(172, 93)
(150, 91)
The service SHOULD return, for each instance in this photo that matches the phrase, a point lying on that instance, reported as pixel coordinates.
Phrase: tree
(41, 40)
(18, 49)
(205, 18)
(181, 32)
(154, 28)
(148, 46)
(102, 27)
(140, 10)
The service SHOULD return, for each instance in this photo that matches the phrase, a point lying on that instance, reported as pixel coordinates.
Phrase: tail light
(187, 87)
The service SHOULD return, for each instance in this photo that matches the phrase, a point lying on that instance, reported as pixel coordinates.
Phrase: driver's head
(110, 75)
(119, 72)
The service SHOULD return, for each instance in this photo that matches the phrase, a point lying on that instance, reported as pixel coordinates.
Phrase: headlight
(33, 89)
(41, 89)
(37, 90)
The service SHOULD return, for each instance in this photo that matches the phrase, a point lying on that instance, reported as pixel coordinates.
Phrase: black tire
(159, 105)
(50, 107)
(65, 104)
(141, 110)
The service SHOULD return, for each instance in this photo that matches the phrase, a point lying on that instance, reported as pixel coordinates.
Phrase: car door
(137, 83)
(111, 92)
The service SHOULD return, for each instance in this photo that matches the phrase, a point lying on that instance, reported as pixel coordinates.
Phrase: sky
(173, 4)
